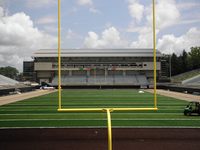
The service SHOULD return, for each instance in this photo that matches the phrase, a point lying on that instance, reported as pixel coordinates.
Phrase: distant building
(95, 66)
(28, 71)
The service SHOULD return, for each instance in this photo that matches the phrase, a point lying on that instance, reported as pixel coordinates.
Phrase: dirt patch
(96, 139)
(19, 97)
(177, 95)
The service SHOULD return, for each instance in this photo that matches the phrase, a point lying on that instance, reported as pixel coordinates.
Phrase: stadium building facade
(95, 66)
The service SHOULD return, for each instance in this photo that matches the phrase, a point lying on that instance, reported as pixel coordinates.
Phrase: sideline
(19, 97)
(177, 95)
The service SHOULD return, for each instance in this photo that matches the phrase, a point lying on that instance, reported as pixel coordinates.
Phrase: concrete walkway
(177, 95)
(19, 97)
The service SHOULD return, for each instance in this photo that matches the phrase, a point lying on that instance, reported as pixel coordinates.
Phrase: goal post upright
(59, 58)
(154, 53)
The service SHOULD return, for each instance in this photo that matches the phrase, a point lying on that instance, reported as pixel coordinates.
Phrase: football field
(42, 111)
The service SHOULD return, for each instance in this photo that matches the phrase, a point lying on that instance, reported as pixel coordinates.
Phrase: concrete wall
(42, 66)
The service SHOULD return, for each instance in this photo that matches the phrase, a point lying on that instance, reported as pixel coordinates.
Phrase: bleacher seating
(7, 81)
(102, 80)
(142, 80)
(192, 81)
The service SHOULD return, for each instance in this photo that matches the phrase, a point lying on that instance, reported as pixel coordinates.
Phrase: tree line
(184, 62)
(9, 71)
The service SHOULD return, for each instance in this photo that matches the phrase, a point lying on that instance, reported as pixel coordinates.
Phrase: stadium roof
(96, 53)
(7, 81)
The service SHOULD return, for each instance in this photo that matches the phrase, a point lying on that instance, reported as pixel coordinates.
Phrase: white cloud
(110, 38)
(40, 3)
(136, 10)
(1, 58)
(94, 10)
(90, 5)
(19, 39)
(170, 43)
(189, 21)
(145, 38)
(167, 14)
(92, 41)
(1, 12)
(47, 20)
(85, 2)
(72, 35)
(51, 29)
(187, 5)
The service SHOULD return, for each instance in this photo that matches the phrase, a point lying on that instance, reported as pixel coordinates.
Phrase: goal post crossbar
(103, 109)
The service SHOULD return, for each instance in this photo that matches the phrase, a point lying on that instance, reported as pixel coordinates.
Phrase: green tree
(175, 65)
(10, 72)
(194, 57)
(183, 59)
(185, 62)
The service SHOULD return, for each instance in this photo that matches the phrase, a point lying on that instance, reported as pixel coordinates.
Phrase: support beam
(109, 130)
(70, 73)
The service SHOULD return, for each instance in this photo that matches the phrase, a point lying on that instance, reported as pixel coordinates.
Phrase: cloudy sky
(29, 25)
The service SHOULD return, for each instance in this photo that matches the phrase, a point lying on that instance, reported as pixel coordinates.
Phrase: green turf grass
(42, 111)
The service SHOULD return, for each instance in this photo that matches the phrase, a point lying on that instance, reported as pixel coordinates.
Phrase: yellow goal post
(100, 109)
(106, 110)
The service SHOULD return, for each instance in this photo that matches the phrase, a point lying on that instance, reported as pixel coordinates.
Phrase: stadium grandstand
(10, 86)
(5, 81)
(192, 81)
(86, 67)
